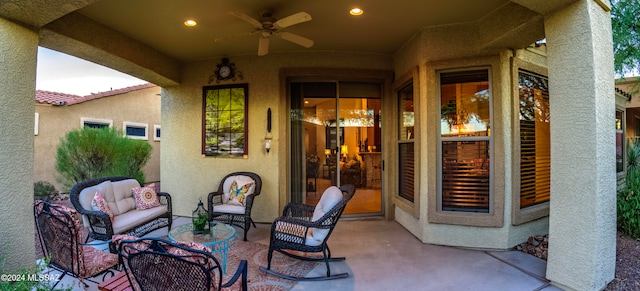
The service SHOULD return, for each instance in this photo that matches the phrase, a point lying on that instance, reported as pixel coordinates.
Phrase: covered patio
(413, 52)
(393, 259)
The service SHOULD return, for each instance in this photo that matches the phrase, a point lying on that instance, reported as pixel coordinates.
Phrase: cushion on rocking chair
(329, 199)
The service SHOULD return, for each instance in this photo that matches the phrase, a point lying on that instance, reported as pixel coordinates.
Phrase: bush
(628, 202)
(89, 153)
(43, 190)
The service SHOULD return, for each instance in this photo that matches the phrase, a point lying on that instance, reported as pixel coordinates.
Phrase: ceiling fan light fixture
(190, 23)
(356, 11)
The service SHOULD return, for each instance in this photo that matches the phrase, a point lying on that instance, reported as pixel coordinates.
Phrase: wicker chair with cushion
(233, 200)
(60, 234)
(157, 264)
(304, 228)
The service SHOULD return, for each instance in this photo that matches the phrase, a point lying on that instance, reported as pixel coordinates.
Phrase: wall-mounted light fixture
(268, 137)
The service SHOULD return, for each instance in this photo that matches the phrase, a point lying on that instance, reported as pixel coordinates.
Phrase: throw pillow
(99, 204)
(237, 195)
(146, 197)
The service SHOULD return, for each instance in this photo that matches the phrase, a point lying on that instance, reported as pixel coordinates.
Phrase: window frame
(107, 122)
(441, 140)
(244, 127)
(127, 124)
(520, 216)
(412, 208)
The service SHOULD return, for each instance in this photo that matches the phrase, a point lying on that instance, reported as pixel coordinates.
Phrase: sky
(62, 73)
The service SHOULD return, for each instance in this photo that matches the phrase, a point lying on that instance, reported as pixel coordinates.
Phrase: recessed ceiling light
(356, 11)
(190, 22)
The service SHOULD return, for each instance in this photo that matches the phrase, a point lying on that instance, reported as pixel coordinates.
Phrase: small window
(135, 130)
(95, 123)
(406, 164)
(35, 125)
(156, 132)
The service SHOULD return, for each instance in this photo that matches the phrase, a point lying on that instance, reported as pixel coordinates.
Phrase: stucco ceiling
(384, 27)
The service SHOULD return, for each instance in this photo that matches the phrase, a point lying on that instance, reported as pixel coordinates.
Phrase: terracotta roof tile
(54, 97)
(68, 99)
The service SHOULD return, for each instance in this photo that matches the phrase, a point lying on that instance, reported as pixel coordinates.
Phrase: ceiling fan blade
(294, 38)
(255, 23)
(292, 20)
(263, 45)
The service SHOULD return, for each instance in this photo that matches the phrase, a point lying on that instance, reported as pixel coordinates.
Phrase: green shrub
(628, 200)
(89, 153)
(43, 190)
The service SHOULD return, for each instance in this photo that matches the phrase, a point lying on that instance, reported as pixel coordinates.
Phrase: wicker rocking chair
(157, 264)
(305, 228)
(60, 234)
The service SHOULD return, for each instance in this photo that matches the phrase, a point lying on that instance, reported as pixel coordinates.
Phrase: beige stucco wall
(17, 88)
(189, 176)
(139, 106)
(582, 230)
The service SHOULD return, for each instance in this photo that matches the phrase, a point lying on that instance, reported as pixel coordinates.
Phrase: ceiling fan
(268, 26)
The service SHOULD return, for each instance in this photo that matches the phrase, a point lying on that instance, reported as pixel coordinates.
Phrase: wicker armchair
(60, 234)
(225, 209)
(157, 264)
(304, 228)
(101, 227)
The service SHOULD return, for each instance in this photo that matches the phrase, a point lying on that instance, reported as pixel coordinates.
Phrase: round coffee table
(221, 237)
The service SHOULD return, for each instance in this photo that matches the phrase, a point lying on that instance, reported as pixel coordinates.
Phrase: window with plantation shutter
(465, 141)
(535, 143)
(406, 168)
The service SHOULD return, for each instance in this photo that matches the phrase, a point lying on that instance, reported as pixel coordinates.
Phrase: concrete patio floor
(382, 255)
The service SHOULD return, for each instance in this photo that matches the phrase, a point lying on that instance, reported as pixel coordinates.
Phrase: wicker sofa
(118, 195)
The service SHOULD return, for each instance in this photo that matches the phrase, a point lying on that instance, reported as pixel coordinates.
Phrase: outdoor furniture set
(184, 260)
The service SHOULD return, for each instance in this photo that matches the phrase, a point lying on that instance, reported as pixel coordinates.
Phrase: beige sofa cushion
(87, 194)
(124, 196)
(135, 217)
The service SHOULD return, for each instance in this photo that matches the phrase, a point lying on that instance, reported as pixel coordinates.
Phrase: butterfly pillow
(238, 194)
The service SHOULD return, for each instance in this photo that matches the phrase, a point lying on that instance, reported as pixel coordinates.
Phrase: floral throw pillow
(146, 197)
(99, 204)
(237, 194)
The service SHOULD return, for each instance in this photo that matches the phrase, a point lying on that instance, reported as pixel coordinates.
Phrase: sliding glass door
(336, 140)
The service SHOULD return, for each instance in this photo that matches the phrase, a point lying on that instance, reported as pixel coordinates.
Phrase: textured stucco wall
(140, 106)
(188, 176)
(582, 230)
(18, 51)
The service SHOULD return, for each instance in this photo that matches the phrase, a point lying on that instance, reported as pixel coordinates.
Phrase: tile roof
(62, 99)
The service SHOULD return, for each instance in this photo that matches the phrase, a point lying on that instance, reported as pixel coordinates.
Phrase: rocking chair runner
(157, 264)
(60, 234)
(306, 229)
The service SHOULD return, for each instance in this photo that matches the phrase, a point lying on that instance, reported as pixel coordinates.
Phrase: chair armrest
(298, 210)
(214, 198)
(240, 272)
(165, 199)
(99, 224)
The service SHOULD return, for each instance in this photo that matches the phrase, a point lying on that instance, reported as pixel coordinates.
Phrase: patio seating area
(382, 255)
